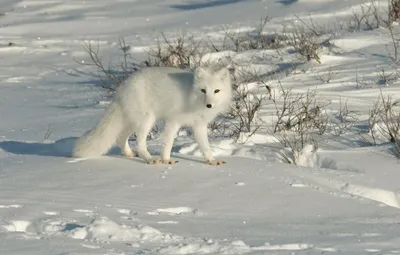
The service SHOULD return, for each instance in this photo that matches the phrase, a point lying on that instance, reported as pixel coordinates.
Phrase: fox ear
(223, 73)
(200, 72)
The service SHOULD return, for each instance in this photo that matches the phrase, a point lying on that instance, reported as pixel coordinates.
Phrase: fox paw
(216, 162)
(169, 161)
(154, 161)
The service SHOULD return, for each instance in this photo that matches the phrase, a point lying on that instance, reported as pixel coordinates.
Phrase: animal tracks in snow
(17, 226)
(288, 247)
(90, 246)
(76, 160)
(298, 185)
(102, 233)
(83, 210)
(51, 213)
(10, 206)
(173, 211)
(87, 212)
(125, 211)
(168, 222)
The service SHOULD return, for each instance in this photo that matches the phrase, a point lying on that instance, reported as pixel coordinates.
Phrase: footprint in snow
(168, 222)
(87, 212)
(76, 160)
(10, 206)
(298, 185)
(326, 249)
(17, 226)
(174, 211)
(372, 250)
(128, 214)
(124, 211)
(83, 210)
(90, 246)
(51, 213)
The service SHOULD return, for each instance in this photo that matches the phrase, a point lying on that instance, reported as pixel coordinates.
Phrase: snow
(172, 211)
(342, 198)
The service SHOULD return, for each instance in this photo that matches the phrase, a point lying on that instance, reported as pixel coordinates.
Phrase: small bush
(326, 77)
(345, 119)
(251, 40)
(300, 122)
(110, 76)
(182, 52)
(368, 18)
(394, 10)
(299, 112)
(384, 120)
(247, 102)
(307, 39)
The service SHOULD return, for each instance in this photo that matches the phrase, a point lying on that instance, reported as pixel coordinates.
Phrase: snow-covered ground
(345, 200)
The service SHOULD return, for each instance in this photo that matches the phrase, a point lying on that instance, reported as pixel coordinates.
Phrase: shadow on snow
(59, 148)
(194, 6)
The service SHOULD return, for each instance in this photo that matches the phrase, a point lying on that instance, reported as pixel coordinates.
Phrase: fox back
(172, 93)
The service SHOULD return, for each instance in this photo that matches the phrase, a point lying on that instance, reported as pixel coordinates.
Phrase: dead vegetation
(181, 52)
(247, 103)
(113, 75)
(299, 119)
(384, 121)
(253, 39)
(307, 38)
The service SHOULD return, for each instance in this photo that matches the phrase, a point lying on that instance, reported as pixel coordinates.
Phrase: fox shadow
(59, 148)
(63, 148)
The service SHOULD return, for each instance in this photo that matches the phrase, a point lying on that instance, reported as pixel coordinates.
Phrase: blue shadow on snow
(194, 6)
(286, 2)
(59, 148)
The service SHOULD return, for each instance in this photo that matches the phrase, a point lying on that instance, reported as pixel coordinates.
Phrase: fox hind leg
(171, 128)
(123, 143)
(141, 136)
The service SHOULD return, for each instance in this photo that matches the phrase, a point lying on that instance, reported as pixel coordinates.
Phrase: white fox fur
(178, 97)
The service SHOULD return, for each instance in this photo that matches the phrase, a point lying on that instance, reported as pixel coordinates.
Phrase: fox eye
(203, 90)
(216, 91)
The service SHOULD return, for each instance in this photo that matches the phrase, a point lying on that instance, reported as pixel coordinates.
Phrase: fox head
(213, 88)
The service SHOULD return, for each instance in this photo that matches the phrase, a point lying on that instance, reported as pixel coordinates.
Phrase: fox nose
(209, 105)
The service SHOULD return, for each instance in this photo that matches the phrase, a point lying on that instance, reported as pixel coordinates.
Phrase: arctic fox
(179, 97)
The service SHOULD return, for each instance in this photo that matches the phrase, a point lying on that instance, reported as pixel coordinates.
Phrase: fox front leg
(200, 135)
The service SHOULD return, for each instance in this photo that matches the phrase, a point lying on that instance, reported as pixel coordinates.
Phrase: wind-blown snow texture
(345, 200)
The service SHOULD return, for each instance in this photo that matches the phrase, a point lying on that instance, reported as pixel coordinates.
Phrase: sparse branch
(384, 120)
